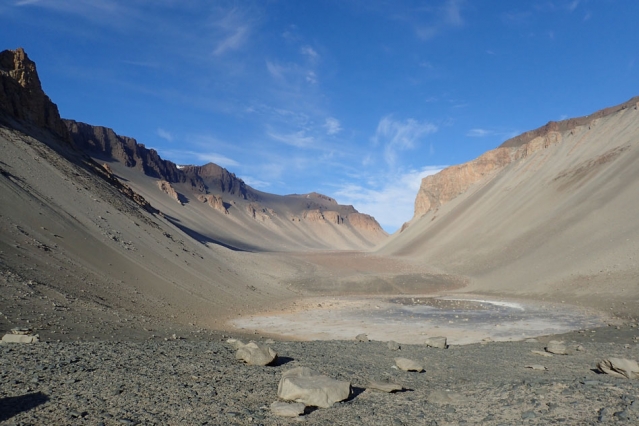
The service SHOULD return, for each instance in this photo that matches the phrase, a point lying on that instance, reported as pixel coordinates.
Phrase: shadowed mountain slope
(215, 203)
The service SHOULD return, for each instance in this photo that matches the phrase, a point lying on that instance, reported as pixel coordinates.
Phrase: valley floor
(198, 381)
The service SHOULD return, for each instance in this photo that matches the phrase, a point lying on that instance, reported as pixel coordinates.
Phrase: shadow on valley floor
(13, 405)
(203, 239)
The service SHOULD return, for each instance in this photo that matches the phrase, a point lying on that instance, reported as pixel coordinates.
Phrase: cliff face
(436, 190)
(218, 179)
(105, 142)
(21, 94)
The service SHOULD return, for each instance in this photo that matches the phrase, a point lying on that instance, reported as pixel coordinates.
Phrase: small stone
(542, 353)
(436, 342)
(528, 415)
(622, 415)
(556, 347)
(286, 409)
(580, 348)
(603, 415)
(409, 365)
(536, 367)
(393, 345)
(361, 337)
(254, 354)
(384, 386)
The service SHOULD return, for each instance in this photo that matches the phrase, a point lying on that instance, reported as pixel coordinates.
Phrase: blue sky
(354, 99)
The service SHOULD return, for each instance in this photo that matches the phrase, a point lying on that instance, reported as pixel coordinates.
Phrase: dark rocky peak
(103, 142)
(219, 180)
(21, 94)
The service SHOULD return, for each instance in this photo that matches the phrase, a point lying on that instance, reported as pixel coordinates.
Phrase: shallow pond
(412, 319)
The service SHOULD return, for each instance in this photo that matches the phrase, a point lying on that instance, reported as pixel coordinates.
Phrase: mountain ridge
(440, 188)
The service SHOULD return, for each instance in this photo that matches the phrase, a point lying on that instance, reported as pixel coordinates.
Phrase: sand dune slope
(559, 220)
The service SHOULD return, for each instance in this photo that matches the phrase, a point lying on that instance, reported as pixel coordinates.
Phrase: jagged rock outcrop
(333, 217)
(104, 142)
(436, 190)
(365, 222)
(21, 94)
(218, 179)
(169, 190)
(314, 215)
(214, 201)
(259, 212)
(323, 197)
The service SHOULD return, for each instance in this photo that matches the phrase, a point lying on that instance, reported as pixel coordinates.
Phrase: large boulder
(304, 385)
(254, 354)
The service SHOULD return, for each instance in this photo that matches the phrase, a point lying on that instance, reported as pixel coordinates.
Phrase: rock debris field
(200, 382)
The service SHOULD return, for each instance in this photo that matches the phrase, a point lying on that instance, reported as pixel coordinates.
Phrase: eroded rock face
(169, 190)
(215, 201)
(313, 215)
(21, 94)
(364, 222)
(437, 190)
(440, 188)
(333, 217)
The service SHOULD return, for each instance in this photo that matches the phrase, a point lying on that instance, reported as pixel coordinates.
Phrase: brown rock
(333, 217)
(436, 190)
(214, 201)
(364, 222)
(21, 94)
(169, 190)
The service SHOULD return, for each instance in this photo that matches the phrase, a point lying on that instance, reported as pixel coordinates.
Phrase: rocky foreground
(198, 382)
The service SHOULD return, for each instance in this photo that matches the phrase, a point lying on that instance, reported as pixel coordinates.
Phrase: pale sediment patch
(412, 319)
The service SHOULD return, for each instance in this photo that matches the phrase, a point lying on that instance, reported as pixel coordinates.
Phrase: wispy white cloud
(298, 139)
(397, 135)
(332, 126)
(482, 133)
(311, 77)
(449, 15)
(219, 159)
(256, 183)
(276, 70)
(479, 133)
(309, 52)
(233, 32)
(573, 5)
(164, 134)
(392, 202)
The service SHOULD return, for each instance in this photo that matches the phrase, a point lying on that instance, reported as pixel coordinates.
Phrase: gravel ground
(195, 382)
